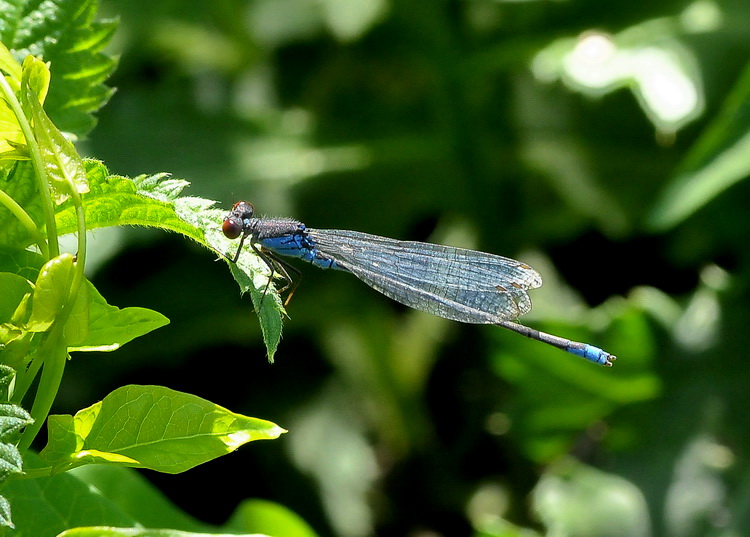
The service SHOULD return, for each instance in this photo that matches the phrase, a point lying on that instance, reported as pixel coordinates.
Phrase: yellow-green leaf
(150, 427)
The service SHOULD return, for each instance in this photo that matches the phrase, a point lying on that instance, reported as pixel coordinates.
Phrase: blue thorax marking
(293, 243)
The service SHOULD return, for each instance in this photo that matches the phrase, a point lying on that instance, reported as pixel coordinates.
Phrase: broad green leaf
(262, 516)
(574, 499)
(135, 495)
(62, 164)
(137, 532)
(8, 64)
(250, 272)
(116, 201)
(110, 327)
(77, 323)
(161, 186)
(150, 427)
(44, 507)
(65, 34)
(21, 262)
(717, 161)
(11, 136)
(13, 289)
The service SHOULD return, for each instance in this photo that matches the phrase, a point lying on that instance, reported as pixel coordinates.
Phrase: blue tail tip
(594, 354)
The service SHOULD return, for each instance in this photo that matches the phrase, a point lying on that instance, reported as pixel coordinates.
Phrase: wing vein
(455, 283)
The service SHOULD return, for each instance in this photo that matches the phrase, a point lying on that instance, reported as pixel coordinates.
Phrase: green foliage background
(425, 120)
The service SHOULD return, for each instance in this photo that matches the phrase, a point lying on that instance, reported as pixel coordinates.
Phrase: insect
(455, 283)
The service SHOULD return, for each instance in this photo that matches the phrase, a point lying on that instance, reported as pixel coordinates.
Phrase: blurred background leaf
(66, 35)
(588, 139)
(718, 160)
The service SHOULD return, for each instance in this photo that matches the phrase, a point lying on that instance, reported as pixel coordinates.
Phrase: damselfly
(455, 283)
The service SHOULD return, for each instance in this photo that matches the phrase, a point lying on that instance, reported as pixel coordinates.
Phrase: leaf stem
(34, 473)
(53, 249)
(54, 355)
(24, 379)
(82, 242)
(26, 221)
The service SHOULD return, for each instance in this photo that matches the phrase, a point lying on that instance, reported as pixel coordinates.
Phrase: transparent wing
(455, 283)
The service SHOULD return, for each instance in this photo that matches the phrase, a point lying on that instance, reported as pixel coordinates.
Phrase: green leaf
(161, 186)
(46, 506)
(138, 532)
(717, 161)
(10, 460)
(13, 418)
(117, 201)
(52, 288)
(152, 201)
(35, 77)
(65, 34)
(135, 495)
(261, 516)
(62, 164)
(77, 323)
(5, 518)
(16, 350)
(493, 526)
(93, 325)
(150, 427)
(110, 327)
(13, 289)
(250, 272)
(574, 499)
(20, 184)
(21, 262)
(11, 135)
(8, 64)
(7, 375)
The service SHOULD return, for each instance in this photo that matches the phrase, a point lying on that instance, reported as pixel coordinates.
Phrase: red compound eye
(231, 227)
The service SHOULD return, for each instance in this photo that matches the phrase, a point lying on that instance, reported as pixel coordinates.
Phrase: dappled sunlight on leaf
(648, 59)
